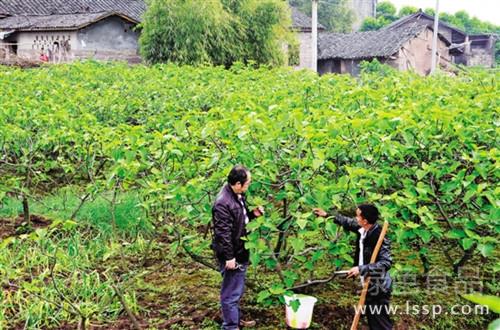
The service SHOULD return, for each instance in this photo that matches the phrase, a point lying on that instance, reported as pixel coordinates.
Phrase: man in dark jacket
(379, 290)
(230, 215)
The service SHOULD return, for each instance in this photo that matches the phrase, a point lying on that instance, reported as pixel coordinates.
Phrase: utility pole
(314, 35)
(434, 39)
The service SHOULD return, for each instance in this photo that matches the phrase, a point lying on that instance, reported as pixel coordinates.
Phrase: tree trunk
(26, 209)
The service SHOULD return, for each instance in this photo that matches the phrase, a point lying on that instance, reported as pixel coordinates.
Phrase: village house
(465, 49)
(406, 48)
(405, 45)
(302, 26)
(60, 30)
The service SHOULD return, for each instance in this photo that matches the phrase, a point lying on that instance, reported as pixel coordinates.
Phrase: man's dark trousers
(233, 285)
(376, 311)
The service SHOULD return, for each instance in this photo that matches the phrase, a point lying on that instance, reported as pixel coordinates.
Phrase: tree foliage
(386, 14)
(387, 10)
(374, 23)
(407, 10)
(424, 150)
(218, 32)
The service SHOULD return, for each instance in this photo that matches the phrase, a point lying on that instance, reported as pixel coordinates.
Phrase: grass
(130, 219)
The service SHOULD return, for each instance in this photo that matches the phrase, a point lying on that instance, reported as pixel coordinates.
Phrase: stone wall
(482, 51)
(481, 57)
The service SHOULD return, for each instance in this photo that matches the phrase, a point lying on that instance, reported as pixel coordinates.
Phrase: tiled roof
(301, 21)
(416, 19)
(55, 14)
(130, 8)
(362, 45)
(54, 22)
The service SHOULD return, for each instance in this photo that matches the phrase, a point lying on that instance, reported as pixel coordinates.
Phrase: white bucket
(301, 319)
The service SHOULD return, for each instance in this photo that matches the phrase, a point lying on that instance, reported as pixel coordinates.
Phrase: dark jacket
(380, 280)
(228, 222)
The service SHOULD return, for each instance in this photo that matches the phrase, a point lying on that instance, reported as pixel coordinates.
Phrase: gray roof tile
(416, 19)
(362, 45)
(301, 21)
(130, 8)
(53, 22)
(133, 9)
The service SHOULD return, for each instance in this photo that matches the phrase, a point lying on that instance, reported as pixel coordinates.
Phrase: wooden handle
(362, 298)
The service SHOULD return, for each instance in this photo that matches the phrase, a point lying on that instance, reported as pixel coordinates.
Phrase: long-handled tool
(362, 298)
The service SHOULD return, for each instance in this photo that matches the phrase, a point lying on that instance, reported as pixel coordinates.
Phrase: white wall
(30, 44)
(109, 39)
(305, 54)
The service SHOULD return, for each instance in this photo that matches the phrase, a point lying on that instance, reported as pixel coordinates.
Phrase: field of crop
(108, 173)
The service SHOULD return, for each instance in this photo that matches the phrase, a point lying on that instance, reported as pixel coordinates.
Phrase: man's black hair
(238, 174)
(369, 212)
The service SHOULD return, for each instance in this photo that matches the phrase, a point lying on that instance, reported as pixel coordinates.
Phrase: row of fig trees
(425, 150)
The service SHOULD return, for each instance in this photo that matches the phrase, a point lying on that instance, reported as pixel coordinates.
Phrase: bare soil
(17, 226)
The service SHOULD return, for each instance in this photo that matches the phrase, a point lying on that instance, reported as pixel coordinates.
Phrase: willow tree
(217, 32)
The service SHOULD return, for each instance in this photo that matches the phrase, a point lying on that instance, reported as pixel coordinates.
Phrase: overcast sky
(486, 10)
